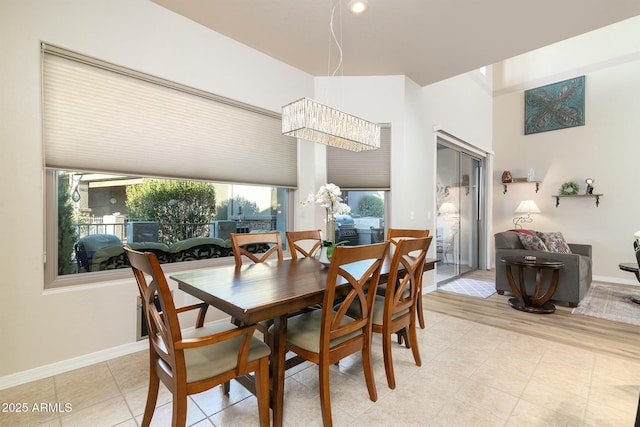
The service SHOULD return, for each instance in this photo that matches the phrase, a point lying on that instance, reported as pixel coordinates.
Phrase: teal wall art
(555, 106)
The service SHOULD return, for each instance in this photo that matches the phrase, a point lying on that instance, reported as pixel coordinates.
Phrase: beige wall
(42, 331)
(605, 149)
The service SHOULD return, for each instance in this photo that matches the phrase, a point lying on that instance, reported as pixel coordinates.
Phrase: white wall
(605, 149)
(40, 327)
(47, 331)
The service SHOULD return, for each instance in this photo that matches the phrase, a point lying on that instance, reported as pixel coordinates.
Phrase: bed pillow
(555, 242)
(532, 243)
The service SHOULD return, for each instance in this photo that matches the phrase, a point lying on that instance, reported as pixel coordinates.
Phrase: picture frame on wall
(554, 106)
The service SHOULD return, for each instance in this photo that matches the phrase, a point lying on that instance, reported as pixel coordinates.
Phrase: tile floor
(471, 375)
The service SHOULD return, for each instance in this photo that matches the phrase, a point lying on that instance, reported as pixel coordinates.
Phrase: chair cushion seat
(205, 362)
(304, 331)
(378, 310)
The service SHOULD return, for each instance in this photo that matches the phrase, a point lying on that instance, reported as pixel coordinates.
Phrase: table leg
(278, 355)
(538, 300)
(512, 283)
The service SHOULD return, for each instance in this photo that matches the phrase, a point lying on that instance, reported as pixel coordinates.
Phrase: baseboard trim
(616, 280)
(56, 368)
(428, 289)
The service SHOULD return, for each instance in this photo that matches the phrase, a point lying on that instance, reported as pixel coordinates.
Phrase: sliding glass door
(458, 211)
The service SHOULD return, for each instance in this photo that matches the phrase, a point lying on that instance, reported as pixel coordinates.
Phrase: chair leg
(152, 398)
(388, 360)
(262, 391)
(420, 310)
(403, 337)
(179, 418)
(325, 397)
(226, 387)
(368, 372)
(413, 338)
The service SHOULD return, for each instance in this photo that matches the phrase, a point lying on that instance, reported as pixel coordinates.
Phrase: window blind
(365, 170)
(101, 117)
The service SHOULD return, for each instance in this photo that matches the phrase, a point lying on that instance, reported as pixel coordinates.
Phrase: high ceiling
(427, 40)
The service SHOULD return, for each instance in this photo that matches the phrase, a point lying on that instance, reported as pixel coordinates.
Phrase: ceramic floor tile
(110, 412)
(131, 372)
(556, 400)
(87, 386)
(602, 415)
(486, 398)
(18, 404)
(471, 375)
(531, 415)
(137, 399)
(162, 415)
(460, 414)
(214, 400)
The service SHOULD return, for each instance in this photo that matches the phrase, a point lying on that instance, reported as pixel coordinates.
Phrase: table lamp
(525, 207)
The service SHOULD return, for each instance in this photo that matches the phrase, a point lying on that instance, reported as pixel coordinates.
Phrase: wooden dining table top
(256, 292)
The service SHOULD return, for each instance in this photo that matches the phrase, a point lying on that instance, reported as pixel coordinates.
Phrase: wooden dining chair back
(305, 243)
(257, 247)
(328, 335)
(394, 235)
(194, 361)
(396, 311)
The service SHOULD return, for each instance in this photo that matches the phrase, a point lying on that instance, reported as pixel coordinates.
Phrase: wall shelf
(595, 196)
(521, 181)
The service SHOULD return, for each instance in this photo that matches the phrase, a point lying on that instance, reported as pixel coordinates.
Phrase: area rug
(471, 287)
(611, 303)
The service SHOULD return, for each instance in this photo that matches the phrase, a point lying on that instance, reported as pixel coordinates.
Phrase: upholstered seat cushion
(207, 361)
(378, 310)
(304, 331)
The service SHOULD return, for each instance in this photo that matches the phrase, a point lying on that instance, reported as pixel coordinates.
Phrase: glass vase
(331, 230)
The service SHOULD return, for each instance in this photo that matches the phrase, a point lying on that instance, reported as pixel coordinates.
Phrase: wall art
(555, 106)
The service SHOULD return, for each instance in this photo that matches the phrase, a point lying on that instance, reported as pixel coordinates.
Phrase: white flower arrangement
(329, 197)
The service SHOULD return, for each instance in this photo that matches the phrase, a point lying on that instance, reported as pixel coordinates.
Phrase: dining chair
(200, 359)
(328, 335)
(269, 242)
(394, 235)
(396, 310)
(304, 243)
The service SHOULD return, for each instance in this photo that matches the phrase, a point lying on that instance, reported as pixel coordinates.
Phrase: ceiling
(426, 40)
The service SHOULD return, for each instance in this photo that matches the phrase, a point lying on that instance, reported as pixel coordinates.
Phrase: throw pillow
(555, 242)
(532, 243)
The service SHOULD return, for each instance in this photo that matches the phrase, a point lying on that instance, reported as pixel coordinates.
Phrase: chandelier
(316, 122)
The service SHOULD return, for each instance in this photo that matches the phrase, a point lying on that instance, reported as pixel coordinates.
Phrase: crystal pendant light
(310, 120)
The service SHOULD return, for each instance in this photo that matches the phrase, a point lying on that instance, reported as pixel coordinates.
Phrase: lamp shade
(447, 208)
(527, 207)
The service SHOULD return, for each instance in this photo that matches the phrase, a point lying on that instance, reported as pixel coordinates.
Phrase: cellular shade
(364, 170)
(102, 117)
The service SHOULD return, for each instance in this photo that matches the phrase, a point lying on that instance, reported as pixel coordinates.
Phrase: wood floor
(603, 336)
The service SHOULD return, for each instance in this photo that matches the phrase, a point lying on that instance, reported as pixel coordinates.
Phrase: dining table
(271, 290)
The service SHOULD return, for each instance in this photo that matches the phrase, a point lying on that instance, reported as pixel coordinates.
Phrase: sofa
(574, 280)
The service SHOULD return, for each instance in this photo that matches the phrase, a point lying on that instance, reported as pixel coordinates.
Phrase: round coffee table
(539, 301)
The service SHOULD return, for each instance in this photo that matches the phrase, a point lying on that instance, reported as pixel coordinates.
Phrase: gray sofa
(575, 277)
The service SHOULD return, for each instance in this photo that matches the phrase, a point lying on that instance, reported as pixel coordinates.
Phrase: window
(178, 220)
(365, 224)
(107, 130)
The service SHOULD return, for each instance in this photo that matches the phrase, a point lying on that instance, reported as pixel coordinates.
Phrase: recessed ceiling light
(358, 7)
